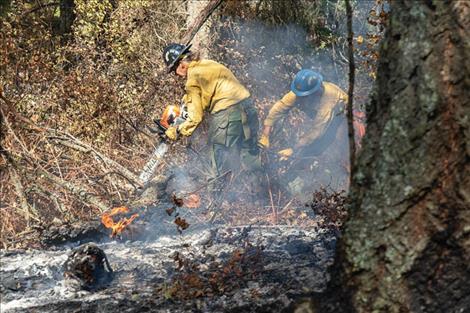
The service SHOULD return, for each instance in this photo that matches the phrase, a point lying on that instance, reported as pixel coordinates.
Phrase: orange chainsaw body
(170, 115)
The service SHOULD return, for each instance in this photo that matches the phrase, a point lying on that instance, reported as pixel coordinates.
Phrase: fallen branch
(76, 144)
(81, 193)
(26, 210)
(48, 194)
(73, 142)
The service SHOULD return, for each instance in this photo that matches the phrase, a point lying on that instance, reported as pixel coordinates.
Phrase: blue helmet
(306, 82)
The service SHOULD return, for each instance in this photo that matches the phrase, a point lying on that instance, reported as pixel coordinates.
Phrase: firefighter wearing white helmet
(211, 87)
(324, 103)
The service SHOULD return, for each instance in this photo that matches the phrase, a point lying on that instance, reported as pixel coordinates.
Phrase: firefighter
(323, 147)
(233, 123)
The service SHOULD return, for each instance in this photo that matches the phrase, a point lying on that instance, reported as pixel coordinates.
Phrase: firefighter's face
(182, 69)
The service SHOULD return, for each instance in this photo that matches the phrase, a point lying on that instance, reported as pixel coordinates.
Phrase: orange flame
(118, 227)
(192, 201)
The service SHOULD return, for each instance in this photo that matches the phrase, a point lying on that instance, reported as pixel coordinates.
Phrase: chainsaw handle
(160, 127)
(159, 130)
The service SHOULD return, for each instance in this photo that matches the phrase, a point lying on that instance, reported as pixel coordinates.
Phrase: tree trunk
(67, 16)
(406, 244)
(199, 23)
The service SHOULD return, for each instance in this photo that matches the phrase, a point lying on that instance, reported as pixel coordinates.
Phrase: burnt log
(88, 266)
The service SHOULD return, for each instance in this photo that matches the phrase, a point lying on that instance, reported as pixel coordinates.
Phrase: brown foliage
(89, 87)
(104, 82)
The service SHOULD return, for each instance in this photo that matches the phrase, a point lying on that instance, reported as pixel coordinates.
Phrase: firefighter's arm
(195, 110)
(280, 109)
(319, 126)
(263, 141)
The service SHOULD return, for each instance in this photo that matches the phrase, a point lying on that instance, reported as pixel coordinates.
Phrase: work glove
(263, 142)
(285, 154)
(172, 133)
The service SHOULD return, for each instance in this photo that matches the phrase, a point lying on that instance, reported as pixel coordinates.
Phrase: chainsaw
(173, 115)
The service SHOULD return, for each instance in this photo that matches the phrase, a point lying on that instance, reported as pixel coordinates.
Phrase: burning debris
(181, 224)
(191, 201)
(89, 266)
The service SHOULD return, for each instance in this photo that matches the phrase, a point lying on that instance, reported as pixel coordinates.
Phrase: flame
(118, 227)
(192, 201)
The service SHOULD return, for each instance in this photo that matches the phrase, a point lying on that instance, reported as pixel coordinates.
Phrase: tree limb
(199, 21)
(352, 145)
(26, 210)
(40, 7)
(74, 143)
(81, 193)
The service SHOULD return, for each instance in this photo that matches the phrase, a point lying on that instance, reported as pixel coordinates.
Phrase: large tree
(406, 244)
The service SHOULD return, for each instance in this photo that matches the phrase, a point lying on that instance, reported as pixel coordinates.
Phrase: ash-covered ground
(219, 269)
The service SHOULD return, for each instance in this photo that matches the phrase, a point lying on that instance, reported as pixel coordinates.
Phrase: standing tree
(406, 244)
(67, 16)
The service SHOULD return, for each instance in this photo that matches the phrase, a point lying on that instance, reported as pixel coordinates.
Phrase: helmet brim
(309, 92)
(171, 67)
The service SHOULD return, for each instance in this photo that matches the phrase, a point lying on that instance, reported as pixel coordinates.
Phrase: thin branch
(352, 145)
(49, 194)
(81, 193)
(39, 7)
(26, 210)
(76, 144)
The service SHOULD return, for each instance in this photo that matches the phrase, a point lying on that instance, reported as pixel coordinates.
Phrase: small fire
(192, 201)
(118, 227)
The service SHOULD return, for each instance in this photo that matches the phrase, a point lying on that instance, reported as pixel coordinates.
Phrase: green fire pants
(232, 139)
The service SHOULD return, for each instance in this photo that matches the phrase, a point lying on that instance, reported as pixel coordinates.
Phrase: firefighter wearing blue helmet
(324, 103)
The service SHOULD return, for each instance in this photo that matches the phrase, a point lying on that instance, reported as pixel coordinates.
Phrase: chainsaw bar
(152, 164)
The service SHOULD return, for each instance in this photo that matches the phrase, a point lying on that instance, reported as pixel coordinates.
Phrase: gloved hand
(172, 133)
(263, 141)
(285, 154)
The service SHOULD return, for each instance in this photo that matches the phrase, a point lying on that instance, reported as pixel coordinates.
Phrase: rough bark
(199, 12)
(67, 16)
(406, 245)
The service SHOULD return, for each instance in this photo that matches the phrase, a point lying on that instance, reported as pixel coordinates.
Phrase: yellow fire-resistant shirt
(210, 87)
(324, 112)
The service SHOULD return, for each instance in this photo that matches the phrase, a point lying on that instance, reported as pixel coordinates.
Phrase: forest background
(81, 80)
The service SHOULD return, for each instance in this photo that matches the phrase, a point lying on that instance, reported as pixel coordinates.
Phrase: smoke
(265, 58)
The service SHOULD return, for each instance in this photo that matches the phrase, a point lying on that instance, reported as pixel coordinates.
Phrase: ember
(193, 201)
(118, 227)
